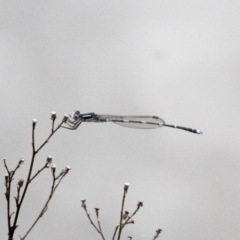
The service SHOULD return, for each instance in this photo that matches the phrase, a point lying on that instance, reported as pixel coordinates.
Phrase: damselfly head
(76, 115)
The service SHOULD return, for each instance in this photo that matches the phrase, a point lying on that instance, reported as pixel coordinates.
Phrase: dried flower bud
(131, 221)
(34, 122)
(20, 183)
(84, 203)
(140, 204)
(49, 159)
(125, 215)
(53, 115)
(129, 238)
(6, 178)
(97, 211)
(126, 186)
(158, 231)
(53, 168)
(21, 160)
(65, 117)
(67, 168)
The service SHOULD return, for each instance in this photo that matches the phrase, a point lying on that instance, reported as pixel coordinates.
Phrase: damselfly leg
(73, 124)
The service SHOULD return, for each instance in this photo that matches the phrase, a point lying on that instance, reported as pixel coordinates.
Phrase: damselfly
(142, 122)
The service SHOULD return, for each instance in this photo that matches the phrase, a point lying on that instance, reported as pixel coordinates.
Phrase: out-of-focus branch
(8, 181)
(99, 230)
(53, 189)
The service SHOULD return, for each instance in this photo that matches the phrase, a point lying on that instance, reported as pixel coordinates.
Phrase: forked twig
(9, 177)
(124, 217)
(53, 189)
(98, 229)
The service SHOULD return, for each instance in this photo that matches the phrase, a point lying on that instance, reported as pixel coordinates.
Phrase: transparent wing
(142, 122)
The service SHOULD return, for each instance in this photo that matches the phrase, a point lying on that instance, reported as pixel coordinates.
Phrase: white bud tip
(34, 120)
(53, 113)
(53, 166)
(68, 167)
(126, 184)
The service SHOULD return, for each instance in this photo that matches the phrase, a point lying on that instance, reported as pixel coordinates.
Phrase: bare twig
(53, 189)
(124, 217)
(8, 181)
(126, 186)
(99, 230)
(158, 231)
(51, 134)
(18, 199)
(99, 223)
(5, 165)
(40, 170)
(139, 204)
(114, 234)
(88, 215)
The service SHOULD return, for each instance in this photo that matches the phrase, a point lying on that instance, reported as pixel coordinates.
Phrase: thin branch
(114, 234)
(5, 164)
(52, 132)
(99, 224)
(39, 171)
(8, 181)
(53, 189)
(158, 231)
(44, 209)
(129, 218)
(29, 179)
(88, 215)
(121, 214)
(7, 194)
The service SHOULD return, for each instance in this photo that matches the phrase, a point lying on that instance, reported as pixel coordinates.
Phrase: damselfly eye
(76, 115)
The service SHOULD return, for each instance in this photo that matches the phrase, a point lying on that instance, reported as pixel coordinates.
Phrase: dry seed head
(21, 160)
(126, 186)
(49, 159)
(53, 168)
(125, 215)
(6, 177)
(65, 117)
(20, 182)
(140, 204)
(34, 122)
(84, 203)
(67, 168)
(53, 115)
(97, 211)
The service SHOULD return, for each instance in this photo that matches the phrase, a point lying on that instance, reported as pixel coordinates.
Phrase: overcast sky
(178, 60)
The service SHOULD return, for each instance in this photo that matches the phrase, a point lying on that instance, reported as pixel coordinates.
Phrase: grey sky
(178, 60)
